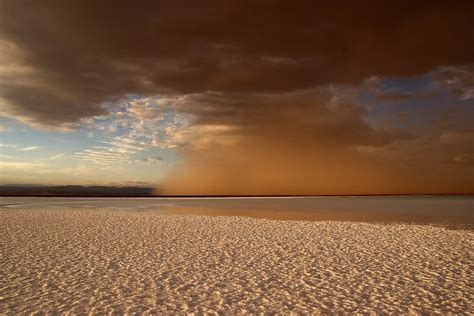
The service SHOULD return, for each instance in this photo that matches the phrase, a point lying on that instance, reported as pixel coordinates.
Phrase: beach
(116, 260)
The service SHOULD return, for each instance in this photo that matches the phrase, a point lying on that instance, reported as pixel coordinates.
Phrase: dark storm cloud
(301, 117)
(302, 142)
(83, 53)
(261, 80)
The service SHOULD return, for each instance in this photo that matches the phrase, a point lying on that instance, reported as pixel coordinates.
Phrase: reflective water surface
(456, 210)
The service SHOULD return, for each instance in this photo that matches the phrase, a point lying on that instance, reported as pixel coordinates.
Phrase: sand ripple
(130, 262)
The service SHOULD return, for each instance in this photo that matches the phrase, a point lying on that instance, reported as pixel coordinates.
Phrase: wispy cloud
(30, 148)
(102, 156)
(149, 160)
(133, 126)
(56, 157)
(9, 157)
(20, 165)
(458, 79)
(8, 145)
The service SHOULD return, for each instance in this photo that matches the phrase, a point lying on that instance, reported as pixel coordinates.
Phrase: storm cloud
(258, 79)
(82, 53)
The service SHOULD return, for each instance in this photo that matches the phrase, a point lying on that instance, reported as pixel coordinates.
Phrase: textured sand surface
(117, 261)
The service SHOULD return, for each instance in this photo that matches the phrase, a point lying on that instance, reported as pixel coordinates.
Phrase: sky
(239, 97)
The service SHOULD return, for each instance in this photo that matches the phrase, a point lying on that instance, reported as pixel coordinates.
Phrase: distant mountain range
(74, 190)
(136, 191)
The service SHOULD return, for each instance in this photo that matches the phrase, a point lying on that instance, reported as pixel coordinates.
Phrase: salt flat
(125, 261)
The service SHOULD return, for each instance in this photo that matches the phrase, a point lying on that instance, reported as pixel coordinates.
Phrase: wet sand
(120, 260)
(456, 222)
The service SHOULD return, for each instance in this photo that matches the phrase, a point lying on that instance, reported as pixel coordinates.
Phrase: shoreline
(446, 211)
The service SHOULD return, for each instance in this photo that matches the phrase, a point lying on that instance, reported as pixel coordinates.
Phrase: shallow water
(447, 210)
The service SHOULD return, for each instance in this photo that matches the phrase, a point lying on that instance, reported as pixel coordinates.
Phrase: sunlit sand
(116, 260)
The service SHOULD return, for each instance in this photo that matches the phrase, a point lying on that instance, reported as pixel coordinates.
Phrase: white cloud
(56, 157)
(102, 156)
(146, 109)
(30, 148)
(133, 126)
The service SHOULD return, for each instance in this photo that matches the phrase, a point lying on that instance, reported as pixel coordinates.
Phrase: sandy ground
(107, 260)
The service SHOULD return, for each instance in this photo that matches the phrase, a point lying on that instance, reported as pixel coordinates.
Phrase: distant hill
(74, 190)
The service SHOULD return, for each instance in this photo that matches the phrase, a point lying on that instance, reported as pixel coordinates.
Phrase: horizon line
(234, 195)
